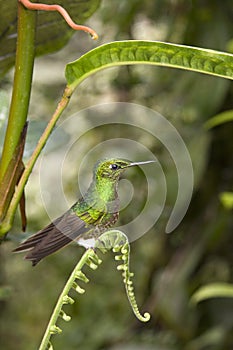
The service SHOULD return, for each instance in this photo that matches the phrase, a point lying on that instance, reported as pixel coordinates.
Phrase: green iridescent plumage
(87, 219)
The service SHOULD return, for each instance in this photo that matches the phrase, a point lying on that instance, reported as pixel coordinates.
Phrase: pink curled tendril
(44, 7)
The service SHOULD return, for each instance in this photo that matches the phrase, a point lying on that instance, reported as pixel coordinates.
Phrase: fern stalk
(89, 258)
(118, 242)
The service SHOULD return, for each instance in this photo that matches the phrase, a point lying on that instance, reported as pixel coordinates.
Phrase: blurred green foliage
(169, 268)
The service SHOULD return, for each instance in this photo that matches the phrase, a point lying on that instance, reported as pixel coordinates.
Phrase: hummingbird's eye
(114, 166)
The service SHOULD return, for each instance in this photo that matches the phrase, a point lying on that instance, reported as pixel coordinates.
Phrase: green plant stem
(7, 222)
(22, 84)
(69, 284)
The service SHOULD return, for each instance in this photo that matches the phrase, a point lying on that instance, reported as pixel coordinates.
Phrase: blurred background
(168, 268)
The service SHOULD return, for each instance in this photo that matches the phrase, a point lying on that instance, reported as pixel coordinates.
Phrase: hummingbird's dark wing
(56, 235)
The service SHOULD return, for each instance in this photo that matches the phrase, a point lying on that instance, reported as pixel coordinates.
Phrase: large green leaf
(52, 30)
(149, 52)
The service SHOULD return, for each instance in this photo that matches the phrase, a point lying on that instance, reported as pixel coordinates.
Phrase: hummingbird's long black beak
(141, 163)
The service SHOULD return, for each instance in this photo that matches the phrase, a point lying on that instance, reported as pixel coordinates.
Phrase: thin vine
(45, 7)
(120, 53)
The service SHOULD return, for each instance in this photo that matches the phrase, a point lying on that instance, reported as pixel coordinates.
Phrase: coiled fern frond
(113, 240)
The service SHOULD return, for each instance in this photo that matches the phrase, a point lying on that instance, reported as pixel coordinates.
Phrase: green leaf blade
(212, 290)
(221, 118)
(149, 52)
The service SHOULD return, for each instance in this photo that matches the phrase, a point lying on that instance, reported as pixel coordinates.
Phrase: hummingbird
(93, 214)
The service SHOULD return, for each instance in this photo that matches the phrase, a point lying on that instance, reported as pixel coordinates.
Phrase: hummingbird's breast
(99, 207)
(97, 212)
(110, 215)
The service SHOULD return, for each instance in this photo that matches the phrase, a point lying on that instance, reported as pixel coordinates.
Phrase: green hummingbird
(88, 218)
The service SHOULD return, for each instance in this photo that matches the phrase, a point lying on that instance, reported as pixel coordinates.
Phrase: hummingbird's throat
(106, 189)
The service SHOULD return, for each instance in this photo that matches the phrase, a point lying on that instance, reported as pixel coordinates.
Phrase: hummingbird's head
(114, 167)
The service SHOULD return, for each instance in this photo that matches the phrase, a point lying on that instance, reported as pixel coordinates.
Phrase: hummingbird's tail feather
(47, 247)
(43, 243)
(33, 240)
(53, 237)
